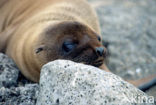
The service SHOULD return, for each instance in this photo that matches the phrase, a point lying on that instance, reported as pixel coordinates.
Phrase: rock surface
(14, 88)
(64, 82)
(21, 95)
(8, 72)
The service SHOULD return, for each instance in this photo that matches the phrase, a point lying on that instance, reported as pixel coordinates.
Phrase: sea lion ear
(39, 49)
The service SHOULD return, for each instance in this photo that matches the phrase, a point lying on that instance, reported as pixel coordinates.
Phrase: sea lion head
(71, 41)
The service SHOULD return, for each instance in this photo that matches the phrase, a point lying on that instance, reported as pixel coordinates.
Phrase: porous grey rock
(8, 72)
(64, 82)
(14, 88)
(22, 95)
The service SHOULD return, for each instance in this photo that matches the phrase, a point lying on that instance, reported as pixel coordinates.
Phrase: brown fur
(45, 25)
(32, 33)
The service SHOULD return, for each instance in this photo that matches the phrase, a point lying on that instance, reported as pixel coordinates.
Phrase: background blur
(130, 28)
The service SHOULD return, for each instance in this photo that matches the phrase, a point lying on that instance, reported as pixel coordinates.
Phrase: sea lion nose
(100, 50)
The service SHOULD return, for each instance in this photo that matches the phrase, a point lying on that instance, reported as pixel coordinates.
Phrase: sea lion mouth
(98, 63)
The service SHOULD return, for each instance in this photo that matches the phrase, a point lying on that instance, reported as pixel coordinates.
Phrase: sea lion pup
(46, 30)
(34, 32)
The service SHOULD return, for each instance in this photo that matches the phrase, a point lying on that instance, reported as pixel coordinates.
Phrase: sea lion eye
(99, 38)
(39, 49)
(68, 46)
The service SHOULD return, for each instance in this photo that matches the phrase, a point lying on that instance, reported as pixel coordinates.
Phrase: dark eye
(68, 46)
(99, 38)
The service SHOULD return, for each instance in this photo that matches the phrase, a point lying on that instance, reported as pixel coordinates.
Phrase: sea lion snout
(100, 51)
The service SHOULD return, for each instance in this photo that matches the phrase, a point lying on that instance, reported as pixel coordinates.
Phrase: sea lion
(46, 30)
(34, 32)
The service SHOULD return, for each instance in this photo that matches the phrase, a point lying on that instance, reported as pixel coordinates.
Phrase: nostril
(100, 51)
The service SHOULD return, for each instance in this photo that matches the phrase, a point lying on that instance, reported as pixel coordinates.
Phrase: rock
(8, 72)
(14, 88)
(64, 82)
(23, 95)
(152, 91)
